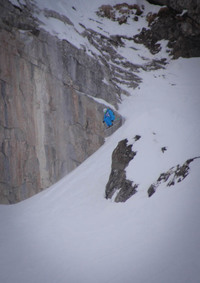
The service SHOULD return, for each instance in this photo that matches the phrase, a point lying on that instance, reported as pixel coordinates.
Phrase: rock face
(49, 120)
(192, 7)
(117, 183)
(179, 23)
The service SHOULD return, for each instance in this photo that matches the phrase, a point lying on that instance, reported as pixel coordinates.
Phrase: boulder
(118, 185)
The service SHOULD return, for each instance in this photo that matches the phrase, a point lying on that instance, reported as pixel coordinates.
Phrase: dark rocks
(192, 7)
(158, 2)
(122, 155)
(163, 149)
(120, 12)
(151, 190)
(118, 183)
(179, 23)
(174, 175)
(137, 137)
(127, 190)
(172, 22)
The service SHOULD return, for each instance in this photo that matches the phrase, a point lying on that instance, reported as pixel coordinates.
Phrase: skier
(109, 117)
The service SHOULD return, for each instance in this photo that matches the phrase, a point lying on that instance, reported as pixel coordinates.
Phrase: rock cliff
(50, 121)
(52, 93)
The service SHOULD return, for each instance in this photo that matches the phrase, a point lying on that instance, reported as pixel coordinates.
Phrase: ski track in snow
(70, 232)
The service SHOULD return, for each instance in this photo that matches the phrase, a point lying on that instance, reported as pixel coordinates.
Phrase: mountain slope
(71, 233)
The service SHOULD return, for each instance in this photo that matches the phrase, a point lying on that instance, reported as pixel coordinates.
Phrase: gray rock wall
(49, 122)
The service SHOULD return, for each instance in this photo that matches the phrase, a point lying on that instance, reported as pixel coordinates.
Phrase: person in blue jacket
(109, 117)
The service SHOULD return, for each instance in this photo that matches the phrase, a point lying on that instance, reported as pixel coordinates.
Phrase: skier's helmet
(104, 110)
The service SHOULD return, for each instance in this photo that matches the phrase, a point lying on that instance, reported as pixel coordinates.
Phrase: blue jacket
(109, 117)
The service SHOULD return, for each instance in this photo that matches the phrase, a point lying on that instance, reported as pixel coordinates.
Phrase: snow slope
(71, 233)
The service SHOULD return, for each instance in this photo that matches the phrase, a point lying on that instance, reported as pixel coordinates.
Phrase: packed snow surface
(71, 233)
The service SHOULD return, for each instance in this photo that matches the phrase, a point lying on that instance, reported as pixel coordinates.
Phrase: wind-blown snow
(71, 233)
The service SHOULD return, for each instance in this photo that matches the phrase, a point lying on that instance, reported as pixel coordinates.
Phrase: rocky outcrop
(122, 72)
(192, 7)
(118, 186)
(50, 120)
(179, 23)
(174, 175)
(120, 189)
(120, 12)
